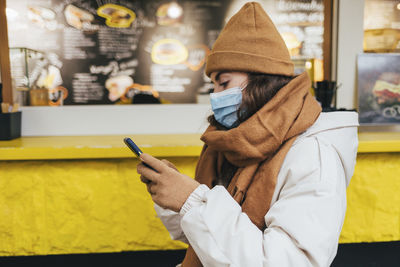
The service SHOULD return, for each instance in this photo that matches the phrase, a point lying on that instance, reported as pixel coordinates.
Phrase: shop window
(378, 67)
(144, 51)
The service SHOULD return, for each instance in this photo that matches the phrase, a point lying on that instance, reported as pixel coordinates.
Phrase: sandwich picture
(387, 88)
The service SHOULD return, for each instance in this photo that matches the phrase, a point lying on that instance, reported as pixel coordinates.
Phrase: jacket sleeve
(171, 221)
(303, 223)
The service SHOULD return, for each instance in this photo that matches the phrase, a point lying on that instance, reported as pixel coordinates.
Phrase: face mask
(225, 105)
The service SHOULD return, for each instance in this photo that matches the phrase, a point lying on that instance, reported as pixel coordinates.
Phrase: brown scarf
(257, 147)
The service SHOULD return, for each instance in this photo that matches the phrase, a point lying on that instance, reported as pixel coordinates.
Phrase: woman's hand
(167, 187)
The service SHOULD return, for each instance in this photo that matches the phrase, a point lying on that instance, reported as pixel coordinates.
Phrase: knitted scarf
(257, 147)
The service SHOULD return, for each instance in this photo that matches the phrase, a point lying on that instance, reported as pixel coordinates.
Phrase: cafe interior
(77, 77)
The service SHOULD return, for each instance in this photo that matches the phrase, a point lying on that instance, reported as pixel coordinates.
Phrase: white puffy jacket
(307, 208)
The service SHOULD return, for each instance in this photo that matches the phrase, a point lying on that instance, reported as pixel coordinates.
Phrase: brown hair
(260, 89)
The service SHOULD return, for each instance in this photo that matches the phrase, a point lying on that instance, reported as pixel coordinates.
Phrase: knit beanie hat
(250, 42)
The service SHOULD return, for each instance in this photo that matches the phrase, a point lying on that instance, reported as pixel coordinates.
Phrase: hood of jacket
(340, 129)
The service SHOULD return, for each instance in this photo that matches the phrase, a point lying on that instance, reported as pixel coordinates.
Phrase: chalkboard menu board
(113, 51)
(106, 51)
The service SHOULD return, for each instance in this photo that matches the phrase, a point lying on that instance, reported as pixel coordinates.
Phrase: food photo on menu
(379, 88)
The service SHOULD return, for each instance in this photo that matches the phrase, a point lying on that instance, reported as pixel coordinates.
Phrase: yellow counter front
(81, 194)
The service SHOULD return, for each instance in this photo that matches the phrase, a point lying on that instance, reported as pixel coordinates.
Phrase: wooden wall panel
(327, 47)
(5, 56)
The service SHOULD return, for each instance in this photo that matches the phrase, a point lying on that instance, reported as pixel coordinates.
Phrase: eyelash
(224, 84)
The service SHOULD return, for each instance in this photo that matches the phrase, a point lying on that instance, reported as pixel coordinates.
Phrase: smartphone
(135, 149)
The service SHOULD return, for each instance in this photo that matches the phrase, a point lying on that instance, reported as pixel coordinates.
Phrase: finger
(156, 164)
(144, 180)
(169, 164)
(148, 173)
(149, 188)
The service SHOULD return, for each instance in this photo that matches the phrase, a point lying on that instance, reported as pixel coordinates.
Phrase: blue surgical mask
(225, 105)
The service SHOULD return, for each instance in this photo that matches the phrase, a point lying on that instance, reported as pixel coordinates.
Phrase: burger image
(119, 17)
(117, 86)
(169, 52)
(76, 16)
(387, 88)
(116, 16)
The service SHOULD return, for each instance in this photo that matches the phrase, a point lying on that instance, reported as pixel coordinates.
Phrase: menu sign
(380, 14)
(104, 52)
(379, 88)
(142, 51)
(300, 23)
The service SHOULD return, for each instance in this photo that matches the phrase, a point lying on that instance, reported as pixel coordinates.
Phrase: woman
(270, 185)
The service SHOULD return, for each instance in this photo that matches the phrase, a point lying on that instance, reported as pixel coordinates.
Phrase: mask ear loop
(241, 111)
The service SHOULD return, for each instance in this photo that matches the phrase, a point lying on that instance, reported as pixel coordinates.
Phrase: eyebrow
(219, 74)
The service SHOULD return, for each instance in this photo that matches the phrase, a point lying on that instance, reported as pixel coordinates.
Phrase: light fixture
(174, 10)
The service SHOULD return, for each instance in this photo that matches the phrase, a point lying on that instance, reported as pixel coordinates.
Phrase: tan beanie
(250, 42)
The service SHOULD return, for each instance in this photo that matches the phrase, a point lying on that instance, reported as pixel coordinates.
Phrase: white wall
(349, 44)
(114, 119)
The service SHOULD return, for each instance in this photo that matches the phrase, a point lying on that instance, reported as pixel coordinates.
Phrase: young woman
(270, 184)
